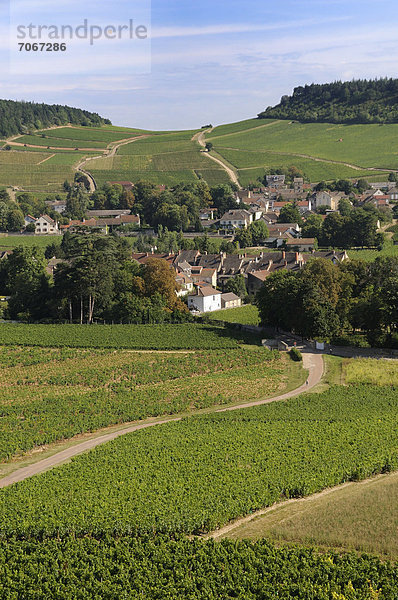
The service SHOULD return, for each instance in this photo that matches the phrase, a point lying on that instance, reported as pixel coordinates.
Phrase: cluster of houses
(102, 221)
(199, 275)
(266, 204)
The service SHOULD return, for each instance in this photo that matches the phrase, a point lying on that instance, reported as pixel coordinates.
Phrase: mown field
(360, 516)
(53, 394)
(41, 241)
(247, 315)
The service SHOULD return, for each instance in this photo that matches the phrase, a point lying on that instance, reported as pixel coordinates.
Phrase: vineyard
(146, 337)
(124, 568)
(197, 474)
(48, 395)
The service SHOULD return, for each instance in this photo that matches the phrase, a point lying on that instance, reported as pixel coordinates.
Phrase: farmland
(363, 145)
(138, 337)
(164, 159)
(38, 170)
(247, 315)
(127, 567)
(360, 516)
(172, 157)
(53, 394)
(197, 474)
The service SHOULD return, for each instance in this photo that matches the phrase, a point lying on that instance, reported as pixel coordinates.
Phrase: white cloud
(173, 32)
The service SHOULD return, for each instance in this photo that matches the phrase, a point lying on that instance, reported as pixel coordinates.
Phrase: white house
(46, 225)
(236, 219)
(206, 299)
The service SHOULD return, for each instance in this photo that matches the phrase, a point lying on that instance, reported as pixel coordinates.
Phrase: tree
(15, 220)
(345, 207)
(259, 232)
(159, 278)
(312, 228)
(237, 285)
(244, 238)
(209, 146)
(76, 203)
(290, 214)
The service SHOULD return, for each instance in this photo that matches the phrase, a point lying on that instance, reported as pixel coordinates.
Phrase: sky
(201, 62)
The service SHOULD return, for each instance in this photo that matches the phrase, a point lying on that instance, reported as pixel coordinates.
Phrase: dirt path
(224, 531)
(200, 138)
(313, 362)
(46, 159)
(109, 153)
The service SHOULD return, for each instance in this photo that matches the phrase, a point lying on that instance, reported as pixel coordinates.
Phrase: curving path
(200, 138)
(313, 362)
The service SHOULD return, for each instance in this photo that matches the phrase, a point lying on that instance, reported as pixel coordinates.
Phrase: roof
(261, 275)
(107, 213)
(207, 291)
(236, 215)
(122, 183)
(229, 297)
(300, 241)
(46, 218)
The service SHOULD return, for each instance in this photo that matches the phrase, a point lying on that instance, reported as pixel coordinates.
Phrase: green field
(247, 315)
(138, 337)
(162, 159)
(41, 241)
(389, 250)
(197, 474)
(360, 516)
(251, 146)
(180, 569)
(50, 394)
(171, 157)
(44, 171)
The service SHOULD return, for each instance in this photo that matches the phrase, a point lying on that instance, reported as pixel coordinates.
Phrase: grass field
(372, 371)
(42, 241)
(50, 394)
(247, 315)
(389, 249)
(360, 516)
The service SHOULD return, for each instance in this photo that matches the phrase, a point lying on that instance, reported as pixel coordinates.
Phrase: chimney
(283, 255)
(297, 258)
(285, 263)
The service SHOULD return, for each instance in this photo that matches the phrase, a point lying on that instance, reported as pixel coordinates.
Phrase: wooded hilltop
(357, 101)
(22, 117)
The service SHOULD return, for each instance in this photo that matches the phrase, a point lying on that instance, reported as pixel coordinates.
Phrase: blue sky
(210, 62)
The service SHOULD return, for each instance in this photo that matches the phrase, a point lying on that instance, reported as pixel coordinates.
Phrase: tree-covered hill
(21, 117)
(357, 101)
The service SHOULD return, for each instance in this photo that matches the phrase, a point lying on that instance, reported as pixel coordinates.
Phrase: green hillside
(321, 150)
(42, 161)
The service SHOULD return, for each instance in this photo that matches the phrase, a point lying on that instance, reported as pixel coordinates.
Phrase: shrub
(296, 355)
